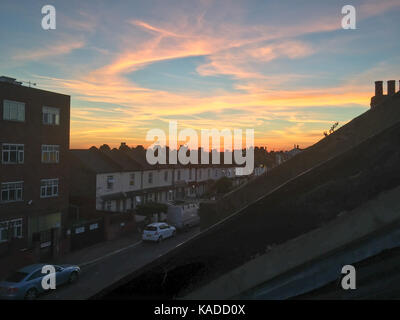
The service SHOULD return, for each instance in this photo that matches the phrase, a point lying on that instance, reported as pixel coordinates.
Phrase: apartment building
(34, 142)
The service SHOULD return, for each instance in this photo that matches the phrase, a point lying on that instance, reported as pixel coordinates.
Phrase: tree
(105, 147)
(222, 185)
(331, 130)
(124, 147)
(139, 148)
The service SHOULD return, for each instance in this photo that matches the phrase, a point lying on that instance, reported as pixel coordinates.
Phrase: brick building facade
(34, 172)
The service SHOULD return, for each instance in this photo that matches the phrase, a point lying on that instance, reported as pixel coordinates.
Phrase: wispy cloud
(53, 49)
(263, 62)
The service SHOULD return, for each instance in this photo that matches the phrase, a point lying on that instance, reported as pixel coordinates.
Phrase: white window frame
(18, 186)
(52, 151)
(13, 111)
(49, 188)
(17, 231)
(19, 154)
(110, 182)
(108, 205)
(132, 179)
(53, 116)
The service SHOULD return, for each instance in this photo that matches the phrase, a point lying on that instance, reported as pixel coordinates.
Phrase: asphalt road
(105, 271)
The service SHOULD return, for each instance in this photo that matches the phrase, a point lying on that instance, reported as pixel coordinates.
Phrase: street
(104, 271)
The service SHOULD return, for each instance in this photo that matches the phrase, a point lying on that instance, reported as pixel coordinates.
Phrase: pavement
(106, 263)
(94, 253)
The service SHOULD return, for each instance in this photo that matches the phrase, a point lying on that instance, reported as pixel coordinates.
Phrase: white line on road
(85, 264)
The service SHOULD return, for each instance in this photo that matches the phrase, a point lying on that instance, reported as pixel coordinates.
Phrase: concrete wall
(348, 228)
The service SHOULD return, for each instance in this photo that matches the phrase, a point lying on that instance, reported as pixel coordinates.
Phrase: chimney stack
(378, 88)
(391, 87)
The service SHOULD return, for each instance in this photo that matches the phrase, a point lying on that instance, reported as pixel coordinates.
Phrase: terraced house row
(118, 180)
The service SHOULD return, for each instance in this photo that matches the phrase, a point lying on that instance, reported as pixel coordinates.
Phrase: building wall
(126, 181)
(159, 189)
(33, 133)
(158, 178)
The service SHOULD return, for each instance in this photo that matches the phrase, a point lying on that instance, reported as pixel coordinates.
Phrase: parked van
(183, 215)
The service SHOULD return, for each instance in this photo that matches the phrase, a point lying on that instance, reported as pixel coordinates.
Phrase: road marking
(85, 264)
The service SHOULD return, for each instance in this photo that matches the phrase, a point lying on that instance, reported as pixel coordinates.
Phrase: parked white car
(158, 231)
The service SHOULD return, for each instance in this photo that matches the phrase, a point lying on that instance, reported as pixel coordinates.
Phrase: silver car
(26, 283)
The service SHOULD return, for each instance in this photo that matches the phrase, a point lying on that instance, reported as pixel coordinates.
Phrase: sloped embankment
(364, 126)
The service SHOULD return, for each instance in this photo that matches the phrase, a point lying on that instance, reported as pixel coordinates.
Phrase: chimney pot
(378, 88)
(391, 87)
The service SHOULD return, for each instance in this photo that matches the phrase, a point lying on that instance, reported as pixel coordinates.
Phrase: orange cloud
(228, 49)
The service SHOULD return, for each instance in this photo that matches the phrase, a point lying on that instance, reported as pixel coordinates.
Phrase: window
(11, 191)
(51, 116)
(12, 153)
(190, 174)
(50, 153)
(58, 268)
(132, 179)
(16, 226)
(108, 205)
(110, 182)
(13, 110)
(79, 230)
(209, 172)
(94, 226)
(179, 175)
(48, 188)
(37, 274)
(150, 177)
(166, 176)
(10, 229)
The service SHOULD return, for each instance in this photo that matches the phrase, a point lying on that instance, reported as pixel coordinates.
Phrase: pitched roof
(95, 161)
(123, 160)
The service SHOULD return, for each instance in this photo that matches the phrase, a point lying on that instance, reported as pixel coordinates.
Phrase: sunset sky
(285, 68)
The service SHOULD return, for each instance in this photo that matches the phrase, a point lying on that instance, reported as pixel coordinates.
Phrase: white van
(183, 215)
